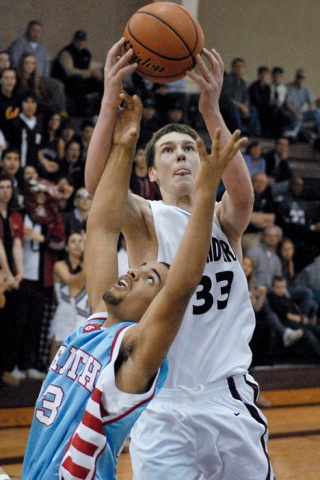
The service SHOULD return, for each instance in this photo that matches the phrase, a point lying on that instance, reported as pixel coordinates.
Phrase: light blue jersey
(81, 419)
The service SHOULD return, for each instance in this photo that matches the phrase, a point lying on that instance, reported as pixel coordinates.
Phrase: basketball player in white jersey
(205, 422)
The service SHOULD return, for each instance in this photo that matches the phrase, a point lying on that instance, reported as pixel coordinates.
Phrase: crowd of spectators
(47, 117)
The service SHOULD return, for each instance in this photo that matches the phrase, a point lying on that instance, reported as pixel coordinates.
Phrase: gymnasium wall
(264, 32)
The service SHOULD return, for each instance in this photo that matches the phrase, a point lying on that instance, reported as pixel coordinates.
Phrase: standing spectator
(66, 195)
(9, 99)
(44, 239)
(254, 159)
(259, 93)
(28, 79)
(25, 131)
(30, 42)
(51, 139)
(235, 86)
(11, 231)
(81, 75)
(10, 164)
(278, 167)
(70, 288)
(300, 101)
(140, 183)
(86, 131)
(76, 219)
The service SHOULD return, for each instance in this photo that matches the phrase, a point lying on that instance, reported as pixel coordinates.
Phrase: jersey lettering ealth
(213, 341)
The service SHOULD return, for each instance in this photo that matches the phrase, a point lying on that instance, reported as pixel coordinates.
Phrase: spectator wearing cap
(300, 101)
(150, 121)
(82, 76)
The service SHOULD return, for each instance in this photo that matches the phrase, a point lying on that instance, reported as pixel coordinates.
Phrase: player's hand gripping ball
(165, 38)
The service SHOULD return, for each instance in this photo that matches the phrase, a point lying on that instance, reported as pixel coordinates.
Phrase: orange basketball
(165, 38)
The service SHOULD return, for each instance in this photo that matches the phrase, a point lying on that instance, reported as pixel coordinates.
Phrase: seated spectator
(298, 96)
(235, 87)
(25, 131)
(9, 99)
(310, 277)
(70, 288)
(76, 219)
(150, 121)
(140, 183)
(72, 165)
(268, 323)
(81, 75)
(281, 119)
(254, 159)
(259, 93)
(68, 130)
(30, 42)
(292, 317)
(277, 165)
(300, 293)
(292, 216)
(175, 113)
(267, 262)
(263, 212)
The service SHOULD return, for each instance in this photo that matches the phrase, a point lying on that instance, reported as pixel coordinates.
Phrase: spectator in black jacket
(81, 75)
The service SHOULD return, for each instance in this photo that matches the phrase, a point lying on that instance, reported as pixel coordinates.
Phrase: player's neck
(185, 202)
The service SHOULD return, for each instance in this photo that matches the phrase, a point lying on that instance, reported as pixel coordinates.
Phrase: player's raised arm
(108, 207)
(116, 68)
(148, 342)
(236, 206)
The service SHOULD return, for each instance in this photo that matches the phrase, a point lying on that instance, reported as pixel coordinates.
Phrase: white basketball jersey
(213, 341)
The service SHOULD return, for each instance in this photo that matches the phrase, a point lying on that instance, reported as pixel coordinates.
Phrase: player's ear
(153, 175)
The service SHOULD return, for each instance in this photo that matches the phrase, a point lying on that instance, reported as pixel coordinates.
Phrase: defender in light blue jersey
(106, 371)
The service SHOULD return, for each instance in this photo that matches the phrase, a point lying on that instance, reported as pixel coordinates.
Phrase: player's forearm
(100, 145)
(108, 207)
(188, 265)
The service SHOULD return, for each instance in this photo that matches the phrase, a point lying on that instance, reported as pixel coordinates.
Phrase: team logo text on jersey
(220, 249)
(79, 366)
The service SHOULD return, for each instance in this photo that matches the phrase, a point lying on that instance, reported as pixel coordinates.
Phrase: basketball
(165, 38)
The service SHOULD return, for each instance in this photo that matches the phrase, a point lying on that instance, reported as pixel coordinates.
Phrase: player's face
(134, 292)
(176, 163)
